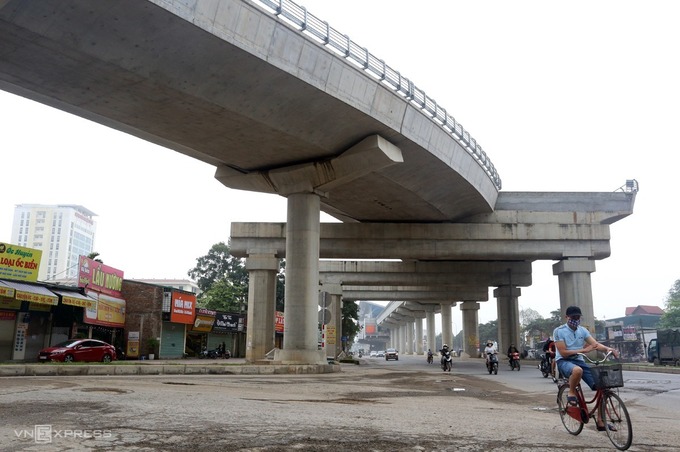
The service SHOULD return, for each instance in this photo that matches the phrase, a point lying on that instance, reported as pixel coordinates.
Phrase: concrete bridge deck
(233, 85)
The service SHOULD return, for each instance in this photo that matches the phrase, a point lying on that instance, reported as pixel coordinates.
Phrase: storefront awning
(34, 294)
(6, 291)
(76, 299)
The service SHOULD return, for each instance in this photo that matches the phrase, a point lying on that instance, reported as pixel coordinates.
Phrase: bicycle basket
(607, 376)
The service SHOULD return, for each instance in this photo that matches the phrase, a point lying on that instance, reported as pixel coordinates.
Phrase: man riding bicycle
(570, 340)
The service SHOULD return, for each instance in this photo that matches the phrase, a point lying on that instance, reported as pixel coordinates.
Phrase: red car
(91, 350)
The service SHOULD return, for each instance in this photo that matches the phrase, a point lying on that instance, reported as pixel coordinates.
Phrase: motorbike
(429, 358)
(492, 364)
(209, 354)
(546, 366)
(446, 361)
(514, 361)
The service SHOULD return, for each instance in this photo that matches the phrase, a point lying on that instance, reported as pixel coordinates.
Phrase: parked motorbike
(430, 359)
(446, 361)
(208, 354)
(492, 364)
(514, 361)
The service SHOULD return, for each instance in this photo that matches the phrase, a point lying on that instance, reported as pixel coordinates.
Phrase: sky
(562, 96)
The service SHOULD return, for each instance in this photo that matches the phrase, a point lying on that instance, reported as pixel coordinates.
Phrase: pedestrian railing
(310, 25)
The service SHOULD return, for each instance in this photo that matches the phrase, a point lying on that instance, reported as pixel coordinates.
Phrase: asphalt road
(404, 405)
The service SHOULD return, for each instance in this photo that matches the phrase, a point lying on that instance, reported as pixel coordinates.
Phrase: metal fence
(310, 25)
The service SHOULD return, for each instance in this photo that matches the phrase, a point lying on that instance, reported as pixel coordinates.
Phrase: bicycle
(612, 410)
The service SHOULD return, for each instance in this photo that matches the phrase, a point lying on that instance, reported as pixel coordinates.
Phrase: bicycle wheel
(614, 413)
(573, 425)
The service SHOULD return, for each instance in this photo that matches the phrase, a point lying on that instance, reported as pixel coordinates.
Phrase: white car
(373, 354)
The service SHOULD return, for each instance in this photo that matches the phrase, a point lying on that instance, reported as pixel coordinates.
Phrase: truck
(665, 349)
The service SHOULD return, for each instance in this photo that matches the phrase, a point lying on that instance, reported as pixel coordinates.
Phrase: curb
(58, 370)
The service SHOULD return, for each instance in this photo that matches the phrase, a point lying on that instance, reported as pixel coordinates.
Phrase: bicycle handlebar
(596, 362)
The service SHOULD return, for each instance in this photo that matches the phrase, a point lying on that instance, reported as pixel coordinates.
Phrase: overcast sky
(563, 96)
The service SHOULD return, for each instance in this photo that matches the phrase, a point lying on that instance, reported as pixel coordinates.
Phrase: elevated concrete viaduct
(492, 250)
(280, 102)
(273, 97)
(433, 286)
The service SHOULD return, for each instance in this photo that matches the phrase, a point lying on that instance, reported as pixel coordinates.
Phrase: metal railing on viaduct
(298, 17)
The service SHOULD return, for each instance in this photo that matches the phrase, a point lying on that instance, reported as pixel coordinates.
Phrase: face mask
(574, 323)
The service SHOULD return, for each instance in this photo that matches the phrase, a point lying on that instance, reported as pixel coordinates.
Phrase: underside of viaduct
(280, 102)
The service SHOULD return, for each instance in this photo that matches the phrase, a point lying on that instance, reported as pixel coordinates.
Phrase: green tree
(95, 257)
(671, 318)
(216, 265)
(350, 320)
(540, 328)
(224, 295)
(487, 331)
(223, 280)
(527, 316)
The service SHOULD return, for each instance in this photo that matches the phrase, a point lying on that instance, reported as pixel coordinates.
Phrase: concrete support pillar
(429, 324)
(573, 275)
(262, 268)
(447, 329)
(402, 337)
(508, 317)
(300, 334)
(409, 337)
(470, 310)
(418, 342)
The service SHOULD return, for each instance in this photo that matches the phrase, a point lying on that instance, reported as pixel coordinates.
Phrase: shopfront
(67, 319)
(228, 330)
(178, 314)
(197, 337)
(104, 319)
(8, 320)
(25, 313)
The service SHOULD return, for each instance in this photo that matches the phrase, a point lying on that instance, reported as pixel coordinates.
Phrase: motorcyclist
(489, 350)
(512, 349)
(549, 350)
(444, 352)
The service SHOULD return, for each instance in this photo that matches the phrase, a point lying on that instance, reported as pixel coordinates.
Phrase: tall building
(63, 232)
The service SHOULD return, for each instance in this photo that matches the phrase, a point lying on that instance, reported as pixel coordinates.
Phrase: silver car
(391, 353)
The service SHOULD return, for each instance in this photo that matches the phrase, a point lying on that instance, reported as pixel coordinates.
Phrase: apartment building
(63, 232)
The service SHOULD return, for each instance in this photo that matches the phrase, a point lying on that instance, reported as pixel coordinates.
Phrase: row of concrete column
(300, 344)
(403, 339)
(575, 289)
